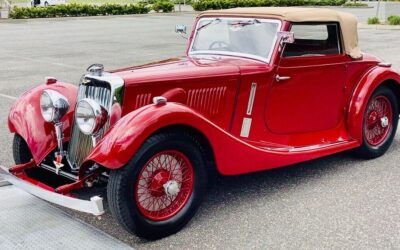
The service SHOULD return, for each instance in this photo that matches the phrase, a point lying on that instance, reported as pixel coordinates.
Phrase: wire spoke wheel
(378, 120)
(164, 185)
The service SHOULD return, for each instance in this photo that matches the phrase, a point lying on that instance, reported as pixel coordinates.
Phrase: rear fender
(361, 95)
(26, 119)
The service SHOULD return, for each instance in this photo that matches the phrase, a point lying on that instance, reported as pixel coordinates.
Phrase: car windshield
(246, 37)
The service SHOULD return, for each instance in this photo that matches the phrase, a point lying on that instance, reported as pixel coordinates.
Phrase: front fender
(26, 119)
(361, 95)
(121, 142)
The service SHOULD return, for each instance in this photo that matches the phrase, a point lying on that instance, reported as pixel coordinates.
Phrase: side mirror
(285, 37)
(180, 29)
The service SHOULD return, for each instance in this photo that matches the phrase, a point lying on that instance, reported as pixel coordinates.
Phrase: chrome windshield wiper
(206, 24)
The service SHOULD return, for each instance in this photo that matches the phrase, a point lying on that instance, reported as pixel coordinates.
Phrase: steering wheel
(219, 45)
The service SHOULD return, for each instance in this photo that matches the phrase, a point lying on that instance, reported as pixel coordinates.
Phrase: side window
(314, 39)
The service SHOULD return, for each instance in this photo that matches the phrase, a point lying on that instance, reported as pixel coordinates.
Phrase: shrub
(355, 4)
(373, 20)
(66, 10)
(394, 20)
(202, 5)
(164, 5)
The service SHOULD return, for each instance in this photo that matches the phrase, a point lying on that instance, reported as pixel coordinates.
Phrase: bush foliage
(355, 4)
(373, 20)
(66, 10)
(202, 5)
(164, 5)
(394, 20)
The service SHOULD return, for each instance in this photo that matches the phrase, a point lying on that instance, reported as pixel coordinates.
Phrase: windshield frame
(235, 54)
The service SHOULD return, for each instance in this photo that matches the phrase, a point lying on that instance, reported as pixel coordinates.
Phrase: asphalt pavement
(336, 202)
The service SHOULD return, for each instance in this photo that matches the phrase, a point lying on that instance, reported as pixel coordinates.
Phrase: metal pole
(377, 8)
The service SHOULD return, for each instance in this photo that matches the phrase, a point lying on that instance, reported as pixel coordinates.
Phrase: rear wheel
(379, 124)
(21, 152)
(162, 186)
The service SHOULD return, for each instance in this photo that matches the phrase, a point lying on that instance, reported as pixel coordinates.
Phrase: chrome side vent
(208, 101)
(142, 100)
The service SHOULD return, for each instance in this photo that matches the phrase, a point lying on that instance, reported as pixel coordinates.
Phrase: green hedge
(164, 5)
(66, 10)
(202, 5)
(355, 4)
(394, 20)
(373, 20)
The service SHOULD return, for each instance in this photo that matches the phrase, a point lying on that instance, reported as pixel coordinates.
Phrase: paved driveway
(335, 202)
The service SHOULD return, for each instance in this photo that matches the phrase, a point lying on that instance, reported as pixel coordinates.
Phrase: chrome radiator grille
(80, 144)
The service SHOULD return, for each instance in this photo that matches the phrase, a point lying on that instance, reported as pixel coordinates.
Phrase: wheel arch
(123, 140)
(374, 78)
(206, 147)
(395, 87)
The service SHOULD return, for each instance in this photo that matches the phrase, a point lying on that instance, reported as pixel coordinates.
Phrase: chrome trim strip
(60, 172)
(250, 104)
(94, 206)
(246, 126)
(383, 64)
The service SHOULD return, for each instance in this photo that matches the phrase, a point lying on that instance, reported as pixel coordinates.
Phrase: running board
(305, 148)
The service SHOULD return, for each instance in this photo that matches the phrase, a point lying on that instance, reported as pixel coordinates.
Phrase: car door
(307, 93)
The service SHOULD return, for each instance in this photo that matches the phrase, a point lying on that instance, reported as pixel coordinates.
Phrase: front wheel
(162, 186)
(379, 124)
(21, 152)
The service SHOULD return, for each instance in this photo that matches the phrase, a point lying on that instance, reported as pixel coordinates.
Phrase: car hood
(176, 69)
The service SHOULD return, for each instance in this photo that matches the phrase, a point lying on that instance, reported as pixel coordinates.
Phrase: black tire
(21, 152)
(368, 151)
(46, 4)
(122, 186)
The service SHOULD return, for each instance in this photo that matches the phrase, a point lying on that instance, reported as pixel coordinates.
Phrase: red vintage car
(259, 88)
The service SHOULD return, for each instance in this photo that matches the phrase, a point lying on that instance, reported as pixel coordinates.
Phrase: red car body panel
(318, 112)
(26, 119)
(232, 155)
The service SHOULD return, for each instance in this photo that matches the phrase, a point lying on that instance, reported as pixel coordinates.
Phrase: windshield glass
(248, 37)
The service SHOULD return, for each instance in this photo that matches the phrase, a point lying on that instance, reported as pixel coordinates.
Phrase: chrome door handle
(279, 78)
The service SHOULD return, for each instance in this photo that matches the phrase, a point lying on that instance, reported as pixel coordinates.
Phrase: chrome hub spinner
(384, 122)
(171, 188)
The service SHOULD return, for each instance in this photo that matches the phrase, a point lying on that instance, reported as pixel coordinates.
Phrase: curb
(378, 26)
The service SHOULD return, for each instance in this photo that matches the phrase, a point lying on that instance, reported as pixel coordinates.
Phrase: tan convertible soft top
(348, 22)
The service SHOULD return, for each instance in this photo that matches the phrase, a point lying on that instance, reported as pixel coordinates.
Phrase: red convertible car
(258, 88)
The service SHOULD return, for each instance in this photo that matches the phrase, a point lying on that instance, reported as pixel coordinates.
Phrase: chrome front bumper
(94, 206)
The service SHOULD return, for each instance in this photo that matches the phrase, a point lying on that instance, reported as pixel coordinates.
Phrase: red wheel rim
(164, 185)
(378, 120)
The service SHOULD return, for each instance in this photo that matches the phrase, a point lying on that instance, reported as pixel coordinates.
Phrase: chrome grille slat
(80, 144)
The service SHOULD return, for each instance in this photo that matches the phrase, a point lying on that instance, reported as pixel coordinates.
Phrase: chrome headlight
(53, 105)
(90, 116)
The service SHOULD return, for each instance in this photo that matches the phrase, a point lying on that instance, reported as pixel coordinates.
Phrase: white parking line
(43, 61)
(8, 97)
